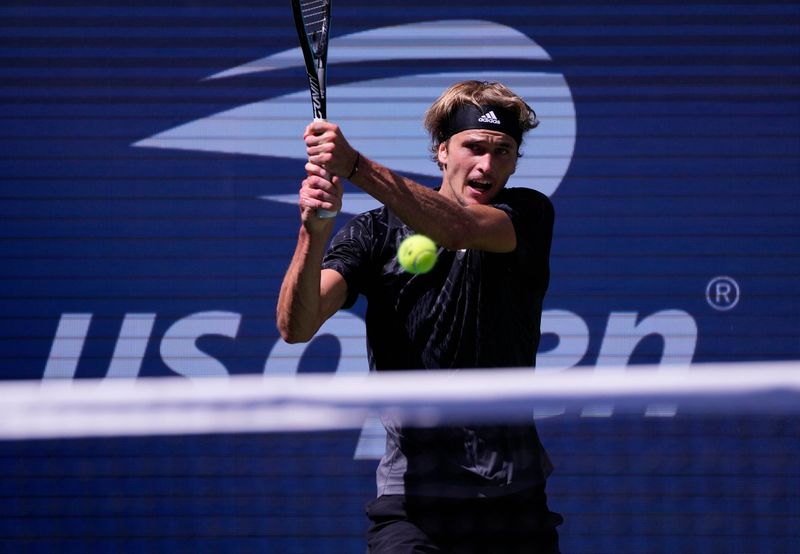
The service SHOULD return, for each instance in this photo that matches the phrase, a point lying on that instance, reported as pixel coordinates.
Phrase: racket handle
(325, 214)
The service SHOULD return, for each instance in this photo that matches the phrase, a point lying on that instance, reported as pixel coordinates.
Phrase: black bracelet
(355, 165)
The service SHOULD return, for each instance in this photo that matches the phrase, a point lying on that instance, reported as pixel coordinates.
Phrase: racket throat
(317, 86)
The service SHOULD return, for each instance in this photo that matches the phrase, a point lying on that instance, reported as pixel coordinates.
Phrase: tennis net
(648, 459)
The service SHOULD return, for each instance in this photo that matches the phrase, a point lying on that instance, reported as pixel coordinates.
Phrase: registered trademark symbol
(722, 293)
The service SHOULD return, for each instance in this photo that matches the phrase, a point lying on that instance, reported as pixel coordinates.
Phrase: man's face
(477, 164)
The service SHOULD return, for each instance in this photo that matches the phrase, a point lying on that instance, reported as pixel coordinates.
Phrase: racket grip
(325, 214)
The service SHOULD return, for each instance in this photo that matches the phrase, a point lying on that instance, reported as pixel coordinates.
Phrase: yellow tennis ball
(417, 254)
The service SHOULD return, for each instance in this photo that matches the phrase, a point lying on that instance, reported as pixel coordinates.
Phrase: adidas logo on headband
(489, 117)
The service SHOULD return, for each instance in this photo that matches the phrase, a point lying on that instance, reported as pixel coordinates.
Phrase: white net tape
(323, 401)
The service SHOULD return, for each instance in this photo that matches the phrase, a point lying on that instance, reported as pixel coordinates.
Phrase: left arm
(445, 221)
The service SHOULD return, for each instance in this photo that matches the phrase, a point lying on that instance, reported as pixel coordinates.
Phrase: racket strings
(314, 19)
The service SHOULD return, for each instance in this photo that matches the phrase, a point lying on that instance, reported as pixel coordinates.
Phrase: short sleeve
(350, 253)
(532, 215)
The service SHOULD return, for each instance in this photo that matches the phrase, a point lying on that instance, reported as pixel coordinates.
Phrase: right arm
(310, 295)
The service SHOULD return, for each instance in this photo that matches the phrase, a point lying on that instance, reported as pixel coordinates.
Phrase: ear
(516, 161)
(441, 155)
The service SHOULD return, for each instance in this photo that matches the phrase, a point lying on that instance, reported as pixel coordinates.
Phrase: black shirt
(475, 309)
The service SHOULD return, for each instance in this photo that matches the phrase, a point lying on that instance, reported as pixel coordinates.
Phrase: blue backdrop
(151, 157)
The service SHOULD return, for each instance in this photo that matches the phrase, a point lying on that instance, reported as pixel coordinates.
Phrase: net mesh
(215, 465)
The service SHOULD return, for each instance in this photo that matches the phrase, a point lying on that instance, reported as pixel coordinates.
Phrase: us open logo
(383, 117)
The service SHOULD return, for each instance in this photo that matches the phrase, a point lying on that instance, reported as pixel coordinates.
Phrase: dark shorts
(516, 523)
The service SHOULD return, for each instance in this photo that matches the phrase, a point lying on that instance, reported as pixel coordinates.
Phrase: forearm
(441, 217)
(423, 209)
(299, 312)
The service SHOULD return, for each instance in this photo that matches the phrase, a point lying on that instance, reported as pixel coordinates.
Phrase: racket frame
(315, 55)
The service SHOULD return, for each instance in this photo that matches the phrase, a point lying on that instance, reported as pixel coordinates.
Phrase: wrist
(354, 168)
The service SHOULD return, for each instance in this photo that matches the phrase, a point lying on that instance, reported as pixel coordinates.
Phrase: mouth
(480, 186)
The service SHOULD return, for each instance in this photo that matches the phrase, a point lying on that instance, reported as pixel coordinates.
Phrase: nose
(484, 162)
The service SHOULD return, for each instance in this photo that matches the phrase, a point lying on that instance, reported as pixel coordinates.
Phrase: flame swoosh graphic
(383, 117)
(431, 40)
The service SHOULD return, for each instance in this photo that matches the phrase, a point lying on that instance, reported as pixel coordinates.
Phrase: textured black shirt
(475, 309)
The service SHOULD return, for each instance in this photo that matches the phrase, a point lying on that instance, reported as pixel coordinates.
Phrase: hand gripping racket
(312, 18)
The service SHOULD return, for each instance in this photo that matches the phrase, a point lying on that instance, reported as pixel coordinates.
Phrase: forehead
(485, 135)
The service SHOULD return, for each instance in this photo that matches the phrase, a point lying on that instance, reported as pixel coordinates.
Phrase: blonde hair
(478, 93)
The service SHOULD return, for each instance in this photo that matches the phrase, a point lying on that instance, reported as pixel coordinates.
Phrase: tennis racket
(312, 18)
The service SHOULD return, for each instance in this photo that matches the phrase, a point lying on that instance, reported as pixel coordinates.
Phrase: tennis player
(477, 488)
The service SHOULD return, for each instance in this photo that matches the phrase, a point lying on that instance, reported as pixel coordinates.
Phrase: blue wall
(150, 155)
